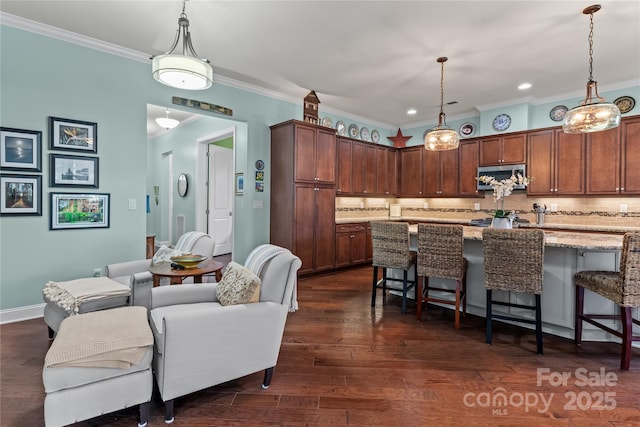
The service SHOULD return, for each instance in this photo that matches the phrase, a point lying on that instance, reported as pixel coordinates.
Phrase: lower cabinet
(352, 244)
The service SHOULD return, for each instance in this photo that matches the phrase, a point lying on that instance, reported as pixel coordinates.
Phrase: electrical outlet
(554, 207)
(97, 272)
(361, 205)
(476, 206)
(425, 205)
(623, 207)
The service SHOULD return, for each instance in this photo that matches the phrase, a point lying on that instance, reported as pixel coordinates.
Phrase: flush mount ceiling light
(166, 122)
(442, 137)
(594, 113)
(182, 70)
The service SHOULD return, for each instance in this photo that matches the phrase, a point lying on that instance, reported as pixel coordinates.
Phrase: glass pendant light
(166, 122)
(442, 137)
(185, 70)
(594, 113)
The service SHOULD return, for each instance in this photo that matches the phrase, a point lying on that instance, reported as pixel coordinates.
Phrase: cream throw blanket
(72, 294)
(115, 338)
(259, 257)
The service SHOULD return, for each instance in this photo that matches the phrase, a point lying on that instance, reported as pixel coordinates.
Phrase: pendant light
(594, 113)
(182, 70)
(167, 122)
(441, 137)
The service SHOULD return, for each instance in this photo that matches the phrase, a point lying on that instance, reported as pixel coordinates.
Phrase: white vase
(501, 223)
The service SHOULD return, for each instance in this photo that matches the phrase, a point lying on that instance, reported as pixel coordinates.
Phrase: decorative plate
(625, 104)
(326, 122)
(259, 164)
(364, 134)
(341, 128)
(375, 136)
(467, 129)
(501, 122)
(557, 113)
(353, 130)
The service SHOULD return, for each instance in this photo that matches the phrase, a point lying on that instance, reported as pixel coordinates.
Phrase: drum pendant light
(593, 114)
(442, 137)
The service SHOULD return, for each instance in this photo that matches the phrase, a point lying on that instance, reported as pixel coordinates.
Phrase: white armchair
(200, 343)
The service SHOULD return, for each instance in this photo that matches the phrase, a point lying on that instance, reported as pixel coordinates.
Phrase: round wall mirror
(183, 185)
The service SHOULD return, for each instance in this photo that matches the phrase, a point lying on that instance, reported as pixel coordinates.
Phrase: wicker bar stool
(623, 288)
(391, 250)
(513, 261)
(440, 254)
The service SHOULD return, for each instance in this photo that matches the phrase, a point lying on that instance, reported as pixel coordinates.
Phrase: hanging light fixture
(594, 113)
(441, 137)
(167, 122)
(182, 70)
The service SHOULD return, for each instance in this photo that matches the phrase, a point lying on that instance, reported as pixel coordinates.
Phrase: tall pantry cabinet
(303, 191)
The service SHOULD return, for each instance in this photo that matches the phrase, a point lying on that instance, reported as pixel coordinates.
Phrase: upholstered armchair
(200, 342)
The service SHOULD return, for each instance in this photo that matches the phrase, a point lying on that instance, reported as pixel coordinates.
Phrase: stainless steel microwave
(500, 173)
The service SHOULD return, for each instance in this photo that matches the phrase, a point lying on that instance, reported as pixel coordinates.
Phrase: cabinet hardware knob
(621, 188)
(617, 189)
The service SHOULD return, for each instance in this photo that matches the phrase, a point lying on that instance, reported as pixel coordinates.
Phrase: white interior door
(220, 198)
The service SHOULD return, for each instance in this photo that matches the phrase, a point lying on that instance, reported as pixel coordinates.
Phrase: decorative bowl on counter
(188, 260)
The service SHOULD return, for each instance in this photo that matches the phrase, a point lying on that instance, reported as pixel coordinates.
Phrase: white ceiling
(376, 59)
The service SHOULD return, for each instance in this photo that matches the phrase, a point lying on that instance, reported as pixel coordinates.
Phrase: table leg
(156, 281)
(197, 279)
(219, 275)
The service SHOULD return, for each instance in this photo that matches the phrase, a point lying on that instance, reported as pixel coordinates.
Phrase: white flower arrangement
(503, 188)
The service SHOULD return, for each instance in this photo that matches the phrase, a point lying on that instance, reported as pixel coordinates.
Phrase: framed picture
(21, 149)
(73, 210)
(239, 183)
(76, 171)
(66, 134)
(21, 195)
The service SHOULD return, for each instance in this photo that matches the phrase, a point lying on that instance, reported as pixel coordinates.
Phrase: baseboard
(19, 314)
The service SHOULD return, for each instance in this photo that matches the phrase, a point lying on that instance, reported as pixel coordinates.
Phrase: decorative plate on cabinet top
(375, 136)
(467, 129)
(341, 128)
(501, 122)
(326, 122)
(364, 134)
(353, 130)
(625, 104)
(557, 113)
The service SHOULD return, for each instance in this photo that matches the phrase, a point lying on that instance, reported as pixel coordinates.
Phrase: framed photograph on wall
(76, 171)
(21, 149)
(74, 210)
(239, 184)
(21, 195)
(67, 134)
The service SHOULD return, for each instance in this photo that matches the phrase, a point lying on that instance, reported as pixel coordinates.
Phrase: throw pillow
(238, 285)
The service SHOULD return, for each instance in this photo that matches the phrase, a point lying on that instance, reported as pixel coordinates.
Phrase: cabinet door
(359, 165)
(345, 163)
(359, 246)
(630, 133)
(325, 228)
(541, 163)
(431, 173)
(369, 169)
(305, 152)
(603, 162)
(490, 154)
(343, 249)
(569, 163)
(410, 171)
(305, 208)
(448, 173)
(382, 171)
(513, 149)
(325, 156)
(468, 168)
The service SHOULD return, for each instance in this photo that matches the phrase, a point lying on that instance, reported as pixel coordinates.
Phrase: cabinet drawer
(350, 228)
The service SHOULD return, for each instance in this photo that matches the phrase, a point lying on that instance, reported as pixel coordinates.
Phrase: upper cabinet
(365, 169)
(410, 172)
(440, 173)
(345, 160)
(630, 169)
(315, 153)
(386, 175)
(468, 153)
(503, 150)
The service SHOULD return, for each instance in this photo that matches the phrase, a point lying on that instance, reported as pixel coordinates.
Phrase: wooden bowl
(188, 260)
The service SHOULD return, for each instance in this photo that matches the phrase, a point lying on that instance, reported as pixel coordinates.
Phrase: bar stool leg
(539, 325)
(420, 281)
(374, 287)
(627, 332)
(489, 302)
(384, 283)
(579, 312)
(404, 291)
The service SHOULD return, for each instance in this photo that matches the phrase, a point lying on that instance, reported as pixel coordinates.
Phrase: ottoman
(100, 362)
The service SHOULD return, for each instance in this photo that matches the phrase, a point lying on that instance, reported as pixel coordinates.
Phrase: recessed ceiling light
(411, 111)
(524, 86)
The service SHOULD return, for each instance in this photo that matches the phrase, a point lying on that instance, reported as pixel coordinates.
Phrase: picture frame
(73, 171)
(20, 149)
(239, 184)
(79, 210)
(20, 195)
(76, 135)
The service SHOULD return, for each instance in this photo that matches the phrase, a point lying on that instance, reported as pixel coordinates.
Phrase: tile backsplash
(568, 210)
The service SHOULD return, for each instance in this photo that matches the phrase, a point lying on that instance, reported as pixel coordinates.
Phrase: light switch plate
(554, 207)
(132, 204)
(623, 207)
(425, 205)
(476, 206)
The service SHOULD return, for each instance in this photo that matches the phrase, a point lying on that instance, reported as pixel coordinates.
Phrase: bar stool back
(623, 288)
(513, 261)
(440, 254)
(390, 241)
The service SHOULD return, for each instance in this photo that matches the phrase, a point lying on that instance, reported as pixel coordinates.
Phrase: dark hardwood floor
(344, 364)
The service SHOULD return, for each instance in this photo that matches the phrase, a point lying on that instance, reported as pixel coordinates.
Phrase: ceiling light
(524, 86)
(594, 113)
(411, 111)
(441, 137)
(166, 122)
(182, 70)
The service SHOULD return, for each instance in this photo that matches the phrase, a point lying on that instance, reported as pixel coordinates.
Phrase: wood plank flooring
(344, 364)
